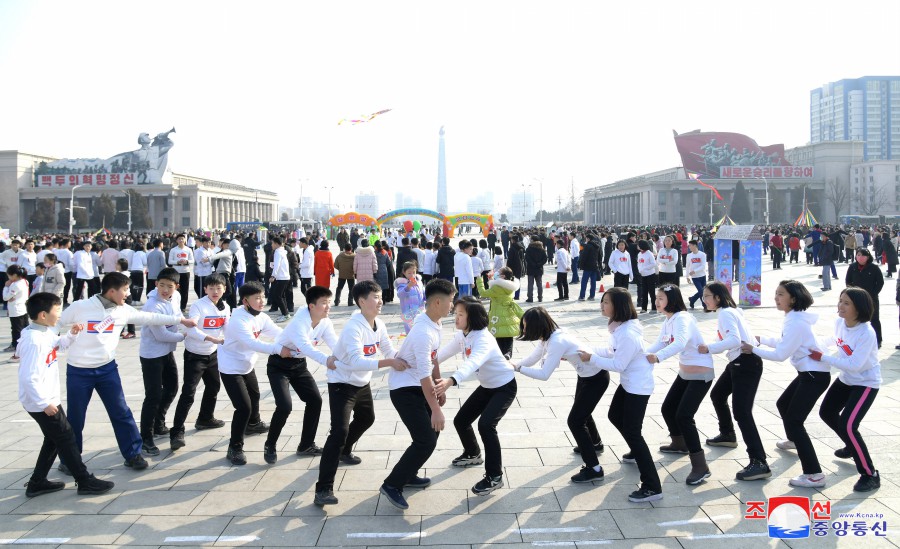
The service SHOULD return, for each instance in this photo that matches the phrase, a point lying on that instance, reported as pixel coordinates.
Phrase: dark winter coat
(890, 251)
(589, 260)
(444, 262)
(870, 279)
(516, 259)
(535, 258)
(828, 252)
(404, 254)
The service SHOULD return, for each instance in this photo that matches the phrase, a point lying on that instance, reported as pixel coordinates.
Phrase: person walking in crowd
(15, 296)
(647, 269)
(535, 259)
(346, 277)
(620, 266)
(411, 292)
(563, 266)
(324, 265)
(504, 313)
(864, 273)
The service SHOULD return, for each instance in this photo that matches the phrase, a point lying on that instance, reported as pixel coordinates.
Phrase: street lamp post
(329, 201)
(72, 209)
(129, 210)
(541, 210)
(524, 202)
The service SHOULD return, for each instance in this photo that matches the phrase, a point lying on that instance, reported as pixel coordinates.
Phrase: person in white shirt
(797, 341)
(667, 259)
(307, 264)
(413, 393)
(54, 276)
(574, 253)
(201, 360)
(462, 268)
(349, 392)
(428, 264)
(741, 377)
(64, 255)
(696, 271)
(851, 395)
(625, 354)
(137, 266)
(237, 358)
(680, 335)
(181, 258)
(646, 264)
(620, 265)
(83, 266)
(280, 281)
(202, 268)
(477, 268)
(484, 254)
(39, 394)
(15, 294)
(555, 345)
(28, 261)
(302, 336)
(563, 266)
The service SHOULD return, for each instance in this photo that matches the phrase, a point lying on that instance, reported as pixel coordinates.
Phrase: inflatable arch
(352, 218)
(485, 221)
(407, 212)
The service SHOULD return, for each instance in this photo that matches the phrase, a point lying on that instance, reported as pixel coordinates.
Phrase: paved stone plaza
(195, 497)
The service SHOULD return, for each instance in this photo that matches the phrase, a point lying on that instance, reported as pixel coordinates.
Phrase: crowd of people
(224, 331)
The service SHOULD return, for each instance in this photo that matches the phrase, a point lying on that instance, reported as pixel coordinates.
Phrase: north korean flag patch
(100, 326)
(213, 322)
(369, 350)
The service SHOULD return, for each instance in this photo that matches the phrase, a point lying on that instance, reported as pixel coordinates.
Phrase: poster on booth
(750, 273)
(723, 262)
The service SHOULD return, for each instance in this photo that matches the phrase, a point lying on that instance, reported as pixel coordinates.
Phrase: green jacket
(504, 312)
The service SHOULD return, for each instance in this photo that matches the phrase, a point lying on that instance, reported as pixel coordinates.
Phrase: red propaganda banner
(707, 153)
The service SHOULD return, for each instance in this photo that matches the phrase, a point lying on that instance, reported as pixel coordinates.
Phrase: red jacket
(323, 268)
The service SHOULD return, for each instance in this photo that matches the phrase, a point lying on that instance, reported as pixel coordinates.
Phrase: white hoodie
(625, 354)
(210, 322)
(356, 351)
(462, 267)
(16, 295)
(679, 334)
(667, 258)
(418, 349)
(620, 262)
(300, 336)
(856, 355)
(560, 345)
(238, 354)
(732, 331)
(646, 263)
(481, 357)
(796, 342)
(39, 369)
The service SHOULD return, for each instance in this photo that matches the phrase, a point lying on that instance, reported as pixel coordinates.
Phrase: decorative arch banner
(353, 218)
(407, 212)
(485, 221)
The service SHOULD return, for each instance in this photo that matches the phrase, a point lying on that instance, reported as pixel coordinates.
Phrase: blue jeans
(574, 270)
(80, 386)
(588, 276)
(699, 283)
(465, 289)
(826, 276)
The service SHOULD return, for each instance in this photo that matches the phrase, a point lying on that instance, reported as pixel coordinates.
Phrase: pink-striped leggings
(843, 408)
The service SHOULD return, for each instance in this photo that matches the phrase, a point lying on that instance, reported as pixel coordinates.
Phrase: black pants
(740, 379)
(243, 390)
(137, 285)
(197, 367)
(679, 407)
(277, 293)
(506, 345)
(620, 280)
(284, 373)
(68, 277)
(539, 279)
(588, 391)
(160, 388)
(337, 296)
(415, 413)
(59, 439)
(648, 292)
(794, 405)
(78, 286)
(626, 413)
(93, 287)
(876, 319)
(343, 400)
(562, 285)
(843, 408)
(305, 284)
(198, 286)
(184, 283)
(668, 278)
(488, 406)
(776, 258)
(16, 325)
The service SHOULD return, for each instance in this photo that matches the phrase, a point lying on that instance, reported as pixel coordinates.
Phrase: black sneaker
(418, 482)
(269, 454)
(487, 485)
(138, 463)
(587, 474)
(598, 448)
(63, 469)
(350, 459)
(257, 428)
(628, 457)
(93, 486)
(394, 496)
(149, 448)
(644, 495)
(209, 424)
(867, 483)
(467, 461)
(325, 497)
(727, 440)
(160, 430)
(236, 456)
(40, 487)
(176, 440)
(844, 453)
(311, 450)
(757, 470)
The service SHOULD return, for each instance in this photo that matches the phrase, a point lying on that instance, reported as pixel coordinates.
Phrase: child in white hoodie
(15, 294)
(852, 394)
(797, 342)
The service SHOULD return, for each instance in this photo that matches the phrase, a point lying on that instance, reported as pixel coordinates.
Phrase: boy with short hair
(92, 361)
(39, 394)
(348, 384)
(302, 335)
(181, 258)
(38, 285)
(412, 392)
(462, 268)
(54, 276)
(157, 354)
(15, 295)
(201, 360)
(236, 361)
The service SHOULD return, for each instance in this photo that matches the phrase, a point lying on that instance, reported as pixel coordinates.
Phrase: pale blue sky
(524, 89)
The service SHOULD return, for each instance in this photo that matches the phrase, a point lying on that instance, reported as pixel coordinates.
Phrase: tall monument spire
(442, 176)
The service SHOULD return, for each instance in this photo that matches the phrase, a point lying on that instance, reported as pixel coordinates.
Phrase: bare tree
(838, 195)
(872, 201)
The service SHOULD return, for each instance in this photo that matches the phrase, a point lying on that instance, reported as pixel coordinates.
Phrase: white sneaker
(283, 318)
(809, 481)
(785, 445)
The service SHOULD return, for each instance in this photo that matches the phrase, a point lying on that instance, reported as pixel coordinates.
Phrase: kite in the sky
(696, 177)
(363, 119)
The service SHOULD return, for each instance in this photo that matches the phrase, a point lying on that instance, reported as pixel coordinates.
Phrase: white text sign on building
(778, 172)
(96, 179)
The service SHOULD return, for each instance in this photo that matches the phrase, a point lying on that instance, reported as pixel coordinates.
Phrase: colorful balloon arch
(407, 212)
(485, 221)
(353, 218)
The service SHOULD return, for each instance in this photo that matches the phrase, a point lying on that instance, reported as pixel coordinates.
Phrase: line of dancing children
(418, 388)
